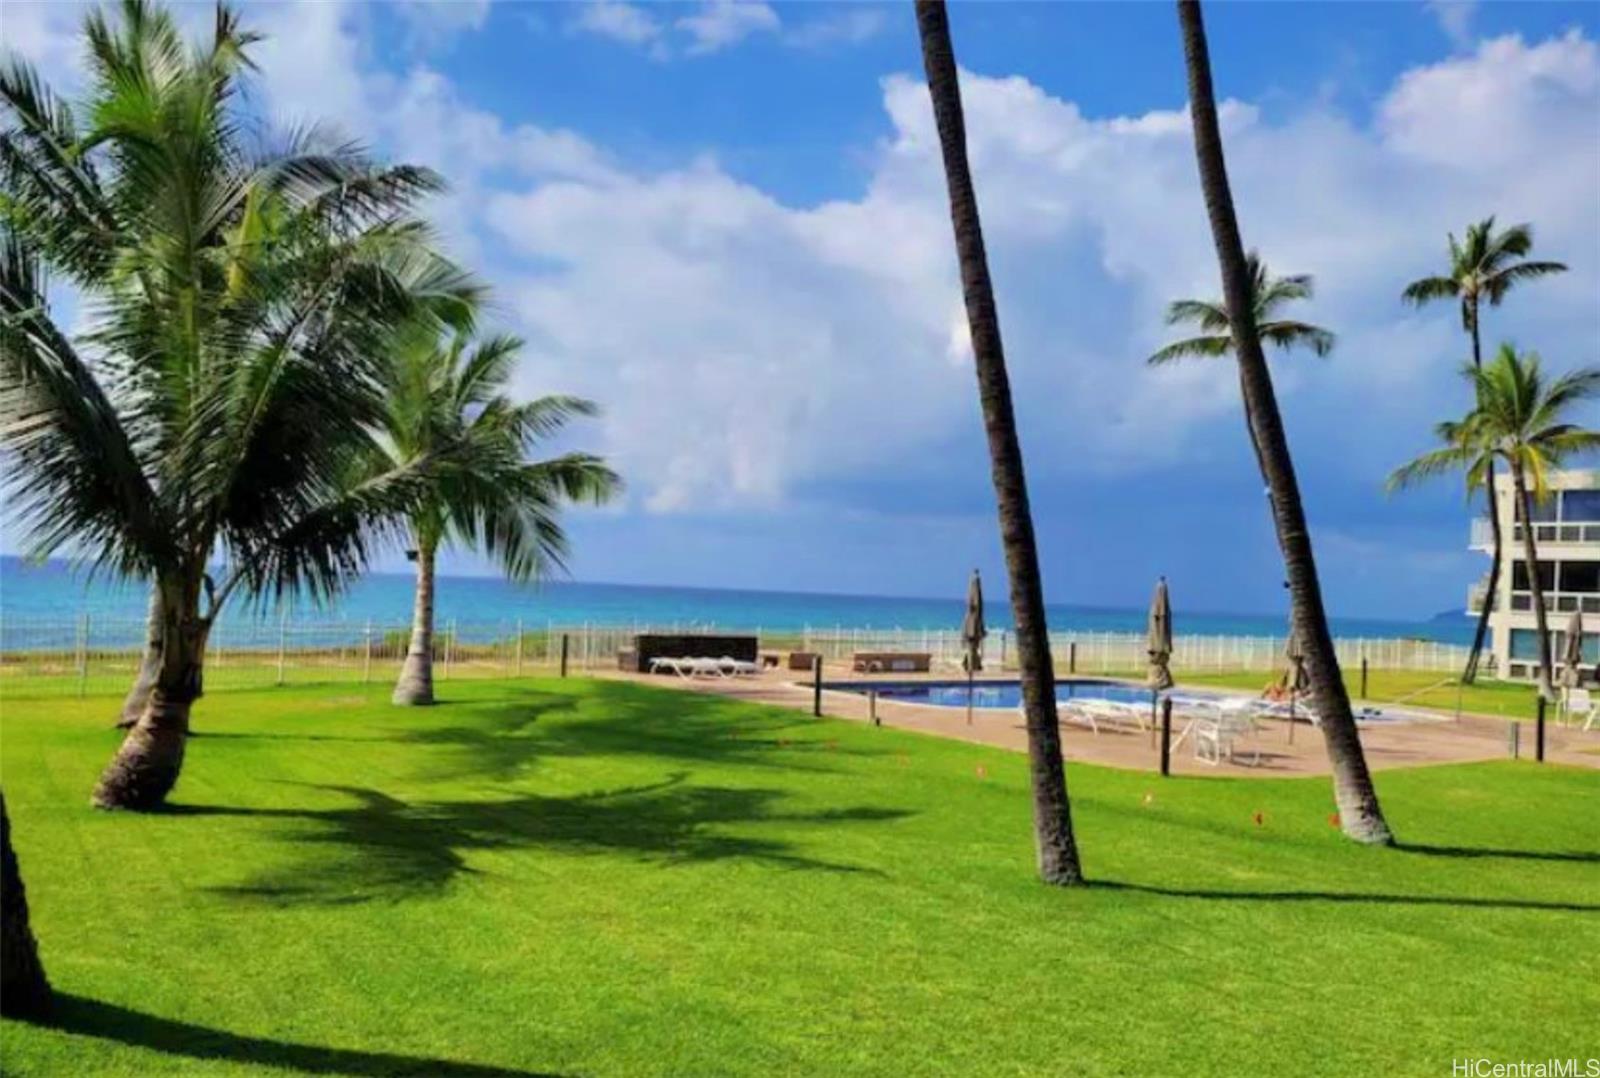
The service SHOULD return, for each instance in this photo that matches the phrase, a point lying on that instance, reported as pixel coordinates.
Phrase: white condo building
(1566, 532)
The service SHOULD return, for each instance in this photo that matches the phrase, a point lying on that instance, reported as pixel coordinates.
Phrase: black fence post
(1363, 677)
(1538, 733)
(1072, 657)
(563, 654)
(1166, 736)
(816, 687)
(872, 706)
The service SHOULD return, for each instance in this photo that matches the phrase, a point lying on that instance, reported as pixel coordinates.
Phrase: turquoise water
(53, 591)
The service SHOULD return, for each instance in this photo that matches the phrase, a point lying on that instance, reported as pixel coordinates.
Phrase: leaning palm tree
(218, 401)
(1484, 266)
(1520, 419)
(1359, 812)
(445, 397)
(1052, 812)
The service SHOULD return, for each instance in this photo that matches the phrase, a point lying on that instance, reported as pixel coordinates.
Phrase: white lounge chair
(1069, 709)
(737, 667)
(1115, 713)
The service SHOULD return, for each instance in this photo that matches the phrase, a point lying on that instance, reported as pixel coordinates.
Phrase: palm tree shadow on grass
(503, 737)
(107, 1021)
(389, 849)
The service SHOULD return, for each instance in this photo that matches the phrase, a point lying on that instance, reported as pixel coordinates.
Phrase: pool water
(989, 694)
(1007, 695)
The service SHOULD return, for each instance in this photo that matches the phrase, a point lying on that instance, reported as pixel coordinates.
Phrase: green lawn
(595, 878)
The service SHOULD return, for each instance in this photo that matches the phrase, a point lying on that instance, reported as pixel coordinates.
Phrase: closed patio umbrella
(972, 633)
(1295, 679)
(1572, 653)
(1159, 638)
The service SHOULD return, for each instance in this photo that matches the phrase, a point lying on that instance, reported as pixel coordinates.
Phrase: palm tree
(217, 404)
(1359, 812)
(445, 397)
(1052, 812)
(1483, 267)
(24, 988)
(1268, 294)
(1216, 339)
(1520, 419)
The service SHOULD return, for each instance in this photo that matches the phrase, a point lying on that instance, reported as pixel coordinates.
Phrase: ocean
(54, 592)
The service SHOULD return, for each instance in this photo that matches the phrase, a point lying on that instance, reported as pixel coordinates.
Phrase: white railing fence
(99, 655)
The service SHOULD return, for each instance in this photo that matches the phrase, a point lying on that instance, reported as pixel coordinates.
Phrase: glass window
(1542, 511)
(1519, 575)
(1580, 505)
(1524, 645)
(1558, 646)
(1580, 576)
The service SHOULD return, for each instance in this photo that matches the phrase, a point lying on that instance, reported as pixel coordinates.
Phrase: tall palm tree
(1052, 812)
(1520, 419)
(24, 988)
(1359, 812)
(1484, 266)
(445, 396)
(218, 402)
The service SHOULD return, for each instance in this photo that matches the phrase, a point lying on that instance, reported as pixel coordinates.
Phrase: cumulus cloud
(1455, 19)
(849, 26)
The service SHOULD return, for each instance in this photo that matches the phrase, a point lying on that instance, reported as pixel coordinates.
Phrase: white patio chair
(738, 667)
(1216, 736)
(1580, 706)
(673, 665)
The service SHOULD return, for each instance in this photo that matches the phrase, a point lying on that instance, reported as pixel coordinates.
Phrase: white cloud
(1455, 19)
(850, 26)
(628, 23)
(720, 23)
(746, 348)
(436, 23)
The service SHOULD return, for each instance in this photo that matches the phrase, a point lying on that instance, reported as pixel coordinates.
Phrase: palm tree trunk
(1052, 812)
(1480, 635)
(1530, 552)
(1359, 812)
(149, 666)
(416, 676)
(146, 767)
(24, 989)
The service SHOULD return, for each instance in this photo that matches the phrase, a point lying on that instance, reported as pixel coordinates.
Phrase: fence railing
(101, 655)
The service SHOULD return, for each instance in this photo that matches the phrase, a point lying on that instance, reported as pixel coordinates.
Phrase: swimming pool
(990, 694)
(1007, 695)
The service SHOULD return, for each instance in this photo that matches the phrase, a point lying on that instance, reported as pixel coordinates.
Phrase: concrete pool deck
(1387, 745)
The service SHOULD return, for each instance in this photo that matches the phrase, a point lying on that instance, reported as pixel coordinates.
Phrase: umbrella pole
(969, 693)
(1292, 695)
(1155, 698)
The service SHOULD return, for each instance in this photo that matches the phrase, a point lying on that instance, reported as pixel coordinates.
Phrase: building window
(1580, 576)
(1545, 511)
(1519, 575)
(1524, 645)
(1580, 505)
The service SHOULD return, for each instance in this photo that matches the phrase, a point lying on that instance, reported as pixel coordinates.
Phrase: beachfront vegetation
(1483, 267)
(1523, 419)
(445, 397)
(235, 296)
(590, 877)
(1268, 294)
(1052, 811)
(1359, 812)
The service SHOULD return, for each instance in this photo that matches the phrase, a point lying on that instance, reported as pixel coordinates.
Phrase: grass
(581, 877)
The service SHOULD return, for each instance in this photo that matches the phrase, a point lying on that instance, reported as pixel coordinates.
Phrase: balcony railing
(1482, 534)
(1558, 602)
(1476, 595)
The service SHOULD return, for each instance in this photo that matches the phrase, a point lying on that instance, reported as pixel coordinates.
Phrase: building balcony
(1556, 602)
(1544, 532)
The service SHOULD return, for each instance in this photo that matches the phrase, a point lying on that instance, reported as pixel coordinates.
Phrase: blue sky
(724, 222)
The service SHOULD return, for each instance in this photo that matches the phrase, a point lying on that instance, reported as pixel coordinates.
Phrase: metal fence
(92, 655)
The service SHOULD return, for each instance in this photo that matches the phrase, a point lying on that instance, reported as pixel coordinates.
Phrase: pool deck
(1400, 744)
